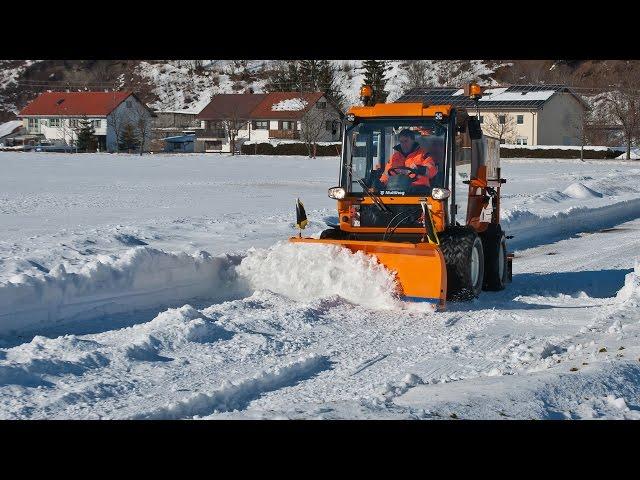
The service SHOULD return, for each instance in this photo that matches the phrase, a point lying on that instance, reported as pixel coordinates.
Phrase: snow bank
(532, 228)
(580, 191)
(140, 278)
(631, 289)
(144, 278)
(635, 154)
(236, 396)
(173, 327)
(307, 271)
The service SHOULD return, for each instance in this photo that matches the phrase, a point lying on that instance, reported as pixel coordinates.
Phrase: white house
(57, 115)
(265, 117)
(534, 114)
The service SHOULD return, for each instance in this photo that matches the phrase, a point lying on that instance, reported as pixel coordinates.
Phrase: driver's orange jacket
(418, 157)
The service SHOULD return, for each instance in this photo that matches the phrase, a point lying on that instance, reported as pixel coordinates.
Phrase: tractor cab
(386, 155)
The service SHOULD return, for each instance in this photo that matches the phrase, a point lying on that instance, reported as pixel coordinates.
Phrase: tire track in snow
(238, 396)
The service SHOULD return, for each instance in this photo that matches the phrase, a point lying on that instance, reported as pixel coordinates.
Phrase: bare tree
(623, 105)
(581, 124)
(117, 122)
(447, 73)
(142, 123)
(232, 125)
(314, 126)
(232, 122)
(415, 74)
(500, 125)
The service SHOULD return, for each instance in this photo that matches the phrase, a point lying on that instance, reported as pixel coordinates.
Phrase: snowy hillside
(187, 85)
(163, 287)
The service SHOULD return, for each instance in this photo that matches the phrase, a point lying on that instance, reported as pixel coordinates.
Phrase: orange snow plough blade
(420, 268)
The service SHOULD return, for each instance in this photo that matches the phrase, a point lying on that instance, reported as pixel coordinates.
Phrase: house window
(520, 119)
(322, 105)
(96, 124)
(55, 122)
(33, 123)
(73, 123)
(522, 141)
(481, 119)
(261, 124)
(287, 125)
(502, 119)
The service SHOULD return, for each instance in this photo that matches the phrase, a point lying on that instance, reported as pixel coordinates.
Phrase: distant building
(535, 114)
(170, 124)
(264, 117)
(176, 121)
(9, 130)
(56, 116)
(180, 144)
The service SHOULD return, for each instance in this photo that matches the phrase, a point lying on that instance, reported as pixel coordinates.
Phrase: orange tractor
(410, 225)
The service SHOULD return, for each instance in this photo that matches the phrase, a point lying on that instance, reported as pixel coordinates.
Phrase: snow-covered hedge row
(556, 151)
(322, 150)
(289, 147)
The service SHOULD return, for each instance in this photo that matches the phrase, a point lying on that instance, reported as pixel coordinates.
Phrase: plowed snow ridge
(144, 278)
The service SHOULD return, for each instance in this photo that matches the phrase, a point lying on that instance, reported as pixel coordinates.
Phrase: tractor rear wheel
(495, 258)
(463, 254)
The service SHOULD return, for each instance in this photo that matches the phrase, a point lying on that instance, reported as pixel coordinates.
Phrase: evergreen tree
(309, 75)
(128, 138)
(305, 76)
(86, 139)
(285, 77)
(374, 75)
(320, 76)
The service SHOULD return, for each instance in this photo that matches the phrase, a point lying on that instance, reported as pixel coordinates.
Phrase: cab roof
(400, 110)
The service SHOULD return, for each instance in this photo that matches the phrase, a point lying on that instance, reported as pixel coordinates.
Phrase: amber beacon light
(473, 91)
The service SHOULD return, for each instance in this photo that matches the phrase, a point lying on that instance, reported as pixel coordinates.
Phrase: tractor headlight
(351, 117)
(337, 192)
(440, 193)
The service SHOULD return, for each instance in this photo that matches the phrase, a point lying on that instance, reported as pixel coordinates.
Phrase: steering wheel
(409, 172)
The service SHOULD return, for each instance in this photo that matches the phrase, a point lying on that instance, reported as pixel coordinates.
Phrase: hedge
(557, 153)
(289, 149)
(334, 150)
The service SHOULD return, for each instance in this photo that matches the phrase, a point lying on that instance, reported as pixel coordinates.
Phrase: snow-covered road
(94, 324)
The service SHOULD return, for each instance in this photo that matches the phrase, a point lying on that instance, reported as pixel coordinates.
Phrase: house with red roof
(265, 117)
(57, 117)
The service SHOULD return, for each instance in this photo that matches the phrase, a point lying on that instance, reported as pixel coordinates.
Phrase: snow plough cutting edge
(410, 226)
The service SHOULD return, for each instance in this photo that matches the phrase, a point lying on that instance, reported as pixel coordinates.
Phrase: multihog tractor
(397, 198)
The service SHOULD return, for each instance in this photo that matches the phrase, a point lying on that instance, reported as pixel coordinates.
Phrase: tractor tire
(463, 255)
(333, 234)
(494, 243)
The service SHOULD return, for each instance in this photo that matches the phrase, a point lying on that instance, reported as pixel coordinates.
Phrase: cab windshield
(394, 157)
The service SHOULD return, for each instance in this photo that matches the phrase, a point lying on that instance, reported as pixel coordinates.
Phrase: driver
(409, 154)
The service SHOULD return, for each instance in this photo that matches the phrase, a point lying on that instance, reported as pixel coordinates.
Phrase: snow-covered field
(162, 287)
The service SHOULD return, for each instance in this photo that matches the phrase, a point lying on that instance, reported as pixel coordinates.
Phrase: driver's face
(405, 144)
